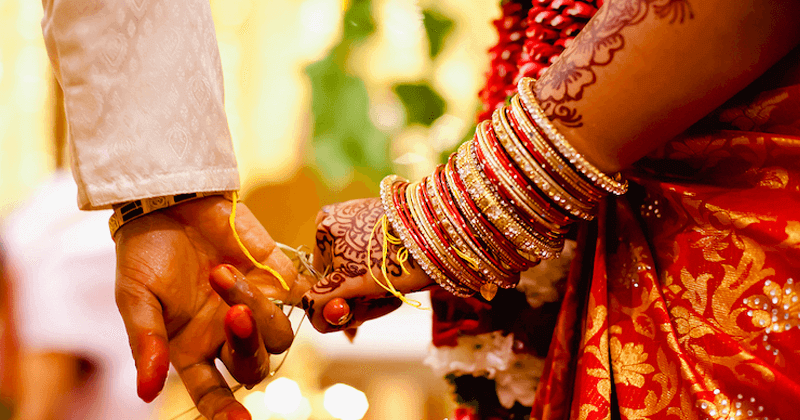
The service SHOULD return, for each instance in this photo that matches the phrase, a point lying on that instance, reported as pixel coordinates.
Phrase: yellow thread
(232, 222)
(402, 257)
(471, 261)
(402, 252)
(388, 238)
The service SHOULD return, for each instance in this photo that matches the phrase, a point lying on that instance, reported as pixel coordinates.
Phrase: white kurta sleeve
(143, 95)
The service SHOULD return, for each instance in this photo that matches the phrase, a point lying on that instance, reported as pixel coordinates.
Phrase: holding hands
(171, 312)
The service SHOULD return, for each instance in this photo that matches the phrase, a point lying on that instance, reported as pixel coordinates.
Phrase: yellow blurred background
(265, 48)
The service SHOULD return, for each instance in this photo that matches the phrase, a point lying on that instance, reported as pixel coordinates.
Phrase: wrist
(132, 210)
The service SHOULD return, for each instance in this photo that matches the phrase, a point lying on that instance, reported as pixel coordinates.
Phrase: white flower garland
(539, 283)
(516, 376)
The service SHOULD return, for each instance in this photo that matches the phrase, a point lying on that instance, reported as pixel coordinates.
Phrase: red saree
(684, 302)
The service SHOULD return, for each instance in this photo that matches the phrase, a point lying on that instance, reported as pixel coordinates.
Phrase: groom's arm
(143, 96)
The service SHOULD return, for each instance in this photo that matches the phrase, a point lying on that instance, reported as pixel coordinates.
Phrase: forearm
(643, 71)
(143, 98)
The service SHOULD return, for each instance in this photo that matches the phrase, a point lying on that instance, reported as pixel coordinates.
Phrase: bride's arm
(643, 71)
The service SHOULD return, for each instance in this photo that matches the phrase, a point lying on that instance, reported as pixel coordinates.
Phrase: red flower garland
(530, 38)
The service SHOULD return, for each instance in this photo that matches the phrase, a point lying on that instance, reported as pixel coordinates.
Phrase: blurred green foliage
(437, 27)
(344, 137)
(422, 104)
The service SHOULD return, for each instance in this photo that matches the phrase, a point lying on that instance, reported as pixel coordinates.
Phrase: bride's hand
(345, 233)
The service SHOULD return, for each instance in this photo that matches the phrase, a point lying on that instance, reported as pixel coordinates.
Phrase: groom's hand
(349, 249)
(171, 312)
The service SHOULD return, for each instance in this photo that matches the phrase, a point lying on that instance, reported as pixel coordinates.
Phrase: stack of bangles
(502, 203)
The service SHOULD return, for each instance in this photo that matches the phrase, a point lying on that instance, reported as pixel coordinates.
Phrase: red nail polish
(239, 414)
(336, 311)
(240, 320)
(225, 276)
(152, 364)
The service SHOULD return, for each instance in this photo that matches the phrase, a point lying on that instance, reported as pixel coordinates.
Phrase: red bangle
(473, 278)
(588, 192)
(458, 219)
(506, 249)
(394, 211)
(398, 195)
(550, 210)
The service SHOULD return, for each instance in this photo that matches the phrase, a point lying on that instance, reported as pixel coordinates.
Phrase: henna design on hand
(345, 234)
(563, 84)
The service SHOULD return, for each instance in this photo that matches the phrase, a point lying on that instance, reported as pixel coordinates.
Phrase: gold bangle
(386, 192)
(460, 199)
(530, 245)
(461, 239)
(534, 171)
(125, 212)
(541, 215)
(463, 277)
(590, 192)
(615, 185)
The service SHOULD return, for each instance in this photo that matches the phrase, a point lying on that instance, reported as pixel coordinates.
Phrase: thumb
(341, 302)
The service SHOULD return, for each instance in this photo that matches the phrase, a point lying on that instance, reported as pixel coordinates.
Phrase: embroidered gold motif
(629, 363)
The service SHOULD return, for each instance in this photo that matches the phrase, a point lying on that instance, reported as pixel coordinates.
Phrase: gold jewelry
(461, 201)
(531, 208)
(615, 185)
(125, 212)
(452, 266)
(387, 187)
(590, 192)
(530, 245)
(463, 243)
(533, 171)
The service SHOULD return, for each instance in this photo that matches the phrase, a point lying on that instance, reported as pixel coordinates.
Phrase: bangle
(533, 171)
(497, 168)
(547, 157)
(125, 212)
(458, 228)
(529, 244)
(615, 185)
(394, 212)
(457, 268)
(501, 245)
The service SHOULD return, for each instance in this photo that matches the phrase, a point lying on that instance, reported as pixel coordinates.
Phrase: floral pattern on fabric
(689, 301)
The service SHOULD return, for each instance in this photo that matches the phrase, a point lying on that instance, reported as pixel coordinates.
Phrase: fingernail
(337, 311)
(226, 277)
(152, 365)
(239, 414)
(241, 321)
